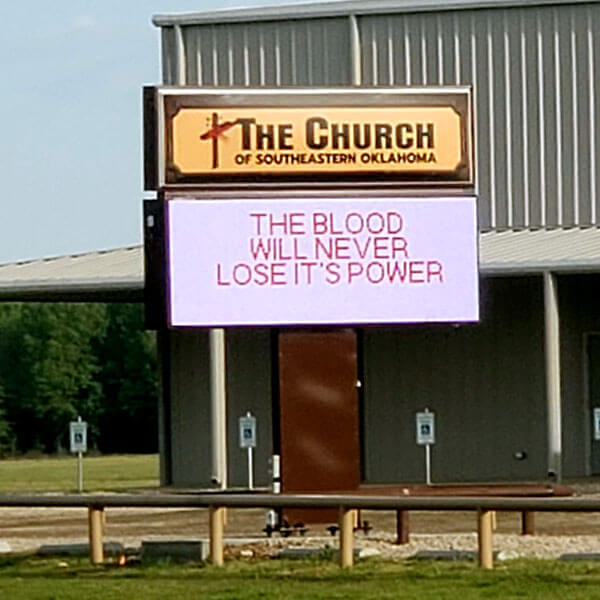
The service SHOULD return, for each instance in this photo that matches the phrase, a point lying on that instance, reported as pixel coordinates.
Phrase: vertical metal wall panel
(548, 108)
(273, 53)
(534, 71)
(514, 70)
(567, 120)
(168, 55)
(581, 160)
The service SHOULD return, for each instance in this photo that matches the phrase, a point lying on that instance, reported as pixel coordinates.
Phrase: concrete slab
(174, 551)
(445, 555)
(110, 548)
(308, 552)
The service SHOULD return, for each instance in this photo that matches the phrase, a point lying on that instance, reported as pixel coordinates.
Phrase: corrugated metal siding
(534, 72)
(169, 56)
(278, 53)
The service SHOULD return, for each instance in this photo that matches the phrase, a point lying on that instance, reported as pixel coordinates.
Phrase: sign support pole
(250, 469)
(428, 464)
(80, 472)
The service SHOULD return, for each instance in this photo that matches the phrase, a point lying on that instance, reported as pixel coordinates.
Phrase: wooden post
(402, 527)
(527, 522)
(484, 530)
(346, 522)
(95, 519)
(216, 515)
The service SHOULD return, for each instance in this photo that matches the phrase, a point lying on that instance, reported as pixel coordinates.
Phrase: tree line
(62, 360)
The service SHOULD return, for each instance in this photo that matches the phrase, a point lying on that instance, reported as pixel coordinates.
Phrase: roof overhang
(530, 251)
(310, 10)
(73, 291)
(106, 276)
(118, 275)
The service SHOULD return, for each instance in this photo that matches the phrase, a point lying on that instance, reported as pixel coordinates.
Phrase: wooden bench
(506, 490)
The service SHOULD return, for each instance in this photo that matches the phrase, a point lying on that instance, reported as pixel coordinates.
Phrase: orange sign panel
(208, 139)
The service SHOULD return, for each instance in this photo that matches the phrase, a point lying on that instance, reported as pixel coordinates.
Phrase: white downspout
(553, 399)
(218, 407)
(355, 51)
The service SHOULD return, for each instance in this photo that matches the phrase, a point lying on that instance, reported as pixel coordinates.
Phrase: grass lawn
(100, 473)
(33, 578)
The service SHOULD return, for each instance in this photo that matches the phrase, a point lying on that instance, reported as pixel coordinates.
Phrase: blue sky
(70, 130)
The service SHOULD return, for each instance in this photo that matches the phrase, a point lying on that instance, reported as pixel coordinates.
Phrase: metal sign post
(248, 441)
(426, 437)
(78, 439)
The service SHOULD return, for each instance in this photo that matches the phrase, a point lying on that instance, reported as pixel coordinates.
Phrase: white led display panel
(321, 261)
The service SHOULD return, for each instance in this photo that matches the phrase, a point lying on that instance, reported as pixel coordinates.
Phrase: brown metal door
(319, 422)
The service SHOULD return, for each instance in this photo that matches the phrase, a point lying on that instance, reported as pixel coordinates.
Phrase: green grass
(37, 579)
(100, 473)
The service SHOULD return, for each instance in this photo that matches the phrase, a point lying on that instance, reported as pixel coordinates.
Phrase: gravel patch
(509, 545)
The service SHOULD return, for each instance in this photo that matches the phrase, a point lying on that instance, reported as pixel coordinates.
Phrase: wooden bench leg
(95, 533)
(346, 523)
(484, 530)
(402, 527)
(527, 522)
(216, 525)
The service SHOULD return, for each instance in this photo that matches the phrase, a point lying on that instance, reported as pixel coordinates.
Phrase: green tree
(58, 361)
(66, 368)
(7, 438)
(128, 377)
(48, 369)
(16, 362)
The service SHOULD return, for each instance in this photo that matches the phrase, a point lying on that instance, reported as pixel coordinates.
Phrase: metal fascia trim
(341, 9)
(79, 285)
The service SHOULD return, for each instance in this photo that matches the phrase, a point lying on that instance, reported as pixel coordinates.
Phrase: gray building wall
(189, 404)
(249, 375)
(533, 71)
(481, 380)
(248, 357)
(485, 383)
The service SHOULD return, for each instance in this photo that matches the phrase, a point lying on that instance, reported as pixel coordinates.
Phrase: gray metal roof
(337, 9)
(111, 275)
(573, 250)
(118, 275)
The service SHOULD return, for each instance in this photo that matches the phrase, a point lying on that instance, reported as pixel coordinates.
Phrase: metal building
(515, 394)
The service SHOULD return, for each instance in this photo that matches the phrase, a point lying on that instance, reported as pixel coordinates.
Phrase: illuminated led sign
(320, 261)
